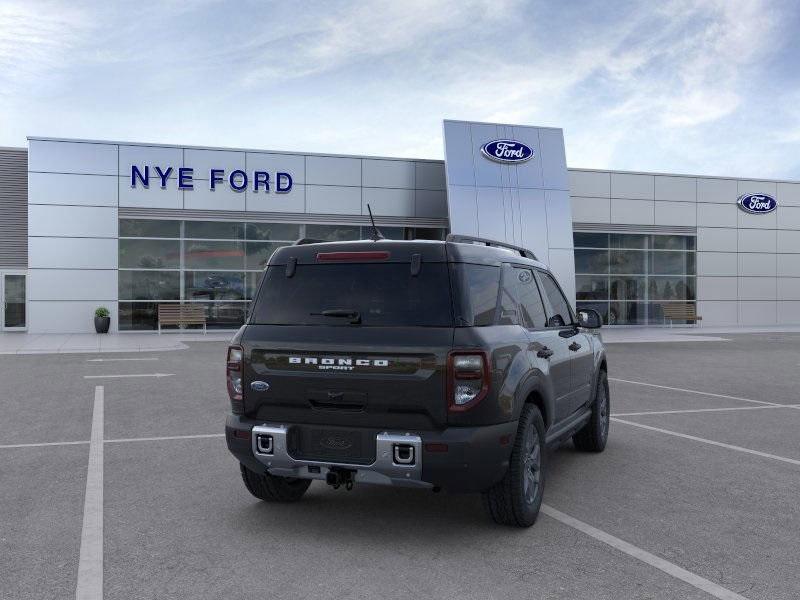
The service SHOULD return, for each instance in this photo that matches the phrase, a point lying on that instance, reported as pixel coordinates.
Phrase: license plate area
(332, 444)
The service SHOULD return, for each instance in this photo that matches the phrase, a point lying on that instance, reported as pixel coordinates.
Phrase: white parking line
(168, 437)
(90, 563)
(43, 444)
(671, 569)
(120, 440)
(128, 375)
(702, 410)
(119, 359)
(712, 442)
(675, 389)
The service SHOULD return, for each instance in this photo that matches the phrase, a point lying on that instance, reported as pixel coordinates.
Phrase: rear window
(384, 295)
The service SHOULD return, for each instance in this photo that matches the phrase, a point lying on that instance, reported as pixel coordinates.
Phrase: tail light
(234, 378)
(468, 379)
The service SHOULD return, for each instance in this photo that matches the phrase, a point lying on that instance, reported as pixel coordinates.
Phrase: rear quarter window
(476, 290)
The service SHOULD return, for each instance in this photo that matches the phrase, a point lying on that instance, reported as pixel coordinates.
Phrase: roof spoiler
(468, 239)
(304, 241)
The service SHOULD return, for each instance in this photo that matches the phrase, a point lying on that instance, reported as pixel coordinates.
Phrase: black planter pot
(101, 324)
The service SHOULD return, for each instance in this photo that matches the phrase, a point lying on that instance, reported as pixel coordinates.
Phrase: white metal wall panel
(717, 263)
(45, 316)
(716, 313)
(717, 288)
(678, 189)
(712, 239)
(758, 313)
(788, 242)
(293, 201)
(591, 210)
(634, 187)
(788, 217)
(152, 156)
(788, 288)
(73, 284)
(633, 212)
(788, 194)
(591, 184)
(757, 187)
(675, 213)
(748, 221)
(72, 221)
(789, 313)
(202, 161)
(153, 196)
(721, 191)
(554, 164)
(757, 264)
(429, 176)
(272, 163)
(72, 253)
(717, 215)
(388, 173)
(330, 199)
(757, 240)
(757, 288)
(69, 189)
(430, 203)
(331, 170)
(72, 157)
(788, 265)
(387, 201)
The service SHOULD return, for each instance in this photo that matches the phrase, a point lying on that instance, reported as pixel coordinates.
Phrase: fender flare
(535, 382)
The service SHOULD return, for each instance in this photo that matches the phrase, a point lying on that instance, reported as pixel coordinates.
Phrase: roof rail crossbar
(468, 239)
(303, 241)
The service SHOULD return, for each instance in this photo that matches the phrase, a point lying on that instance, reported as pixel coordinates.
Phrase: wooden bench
(181, 314)
(681, 312)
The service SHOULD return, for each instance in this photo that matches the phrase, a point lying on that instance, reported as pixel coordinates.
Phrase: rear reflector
(374, 255)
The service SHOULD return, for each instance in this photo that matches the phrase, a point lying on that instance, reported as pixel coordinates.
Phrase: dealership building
(131, 226)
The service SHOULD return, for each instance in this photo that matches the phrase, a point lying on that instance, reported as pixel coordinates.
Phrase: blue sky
(708, 87)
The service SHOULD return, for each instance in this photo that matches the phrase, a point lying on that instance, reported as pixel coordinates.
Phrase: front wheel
(273, 489)
(516, 499)
(594, 435)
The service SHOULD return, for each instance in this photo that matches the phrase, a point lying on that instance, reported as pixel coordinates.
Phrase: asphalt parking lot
(696, 496)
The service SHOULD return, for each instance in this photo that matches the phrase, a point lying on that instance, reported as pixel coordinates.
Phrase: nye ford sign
(238, 180)
(507, 151)
(757, 204)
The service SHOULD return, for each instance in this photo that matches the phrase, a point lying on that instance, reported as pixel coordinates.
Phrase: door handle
(545, 352)
(574, 346)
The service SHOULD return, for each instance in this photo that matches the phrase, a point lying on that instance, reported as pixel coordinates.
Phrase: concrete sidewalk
(632, 335)
(65, 343)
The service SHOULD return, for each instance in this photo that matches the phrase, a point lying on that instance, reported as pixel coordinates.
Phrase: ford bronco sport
(441, 365)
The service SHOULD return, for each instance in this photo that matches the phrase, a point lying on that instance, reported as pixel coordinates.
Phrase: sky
(700, 87)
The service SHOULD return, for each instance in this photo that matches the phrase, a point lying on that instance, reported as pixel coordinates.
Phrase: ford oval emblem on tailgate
(259, 386)
(333, 442)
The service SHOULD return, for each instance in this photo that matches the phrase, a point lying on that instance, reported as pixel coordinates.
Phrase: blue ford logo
(757, 203)
(507, 151)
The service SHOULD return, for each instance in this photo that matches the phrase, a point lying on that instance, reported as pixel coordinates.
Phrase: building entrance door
(13, 316)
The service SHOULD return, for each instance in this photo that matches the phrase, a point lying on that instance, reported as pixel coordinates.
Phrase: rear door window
(561, 314)
(530, 300)
(384, 294)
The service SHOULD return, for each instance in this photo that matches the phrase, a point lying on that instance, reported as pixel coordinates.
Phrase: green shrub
(101, 312)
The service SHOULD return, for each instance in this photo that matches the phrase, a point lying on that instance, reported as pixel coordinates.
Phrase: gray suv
(437, 365)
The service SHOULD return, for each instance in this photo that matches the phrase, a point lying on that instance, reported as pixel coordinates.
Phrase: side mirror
(589, 318)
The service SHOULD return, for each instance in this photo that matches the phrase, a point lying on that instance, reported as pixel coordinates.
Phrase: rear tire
(594, 435)
(273, 489)
(516, 499)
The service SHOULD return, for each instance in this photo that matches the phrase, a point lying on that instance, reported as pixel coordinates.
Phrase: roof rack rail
(468, 239)
(304, 241)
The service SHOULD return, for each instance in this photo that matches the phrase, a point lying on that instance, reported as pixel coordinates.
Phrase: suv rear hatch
(352, 335)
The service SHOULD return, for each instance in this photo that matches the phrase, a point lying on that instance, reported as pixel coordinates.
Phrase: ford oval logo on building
(757, 204)
(507, 151)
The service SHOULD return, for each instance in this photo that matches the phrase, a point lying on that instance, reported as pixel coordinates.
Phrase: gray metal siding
(14, 208)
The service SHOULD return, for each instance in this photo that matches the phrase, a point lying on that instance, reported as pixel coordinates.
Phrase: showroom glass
(218, 264)
(628, 278)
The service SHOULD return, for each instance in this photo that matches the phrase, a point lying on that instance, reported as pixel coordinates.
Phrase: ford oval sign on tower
(757, 204)
(507, 151)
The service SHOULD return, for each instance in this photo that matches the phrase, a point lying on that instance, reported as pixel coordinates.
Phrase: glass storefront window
(258, 253)
(214, 230)
(218, 264)
(211, 285)
(149, 228)
(272, 231)
(149, 254)
(646, 272)
(149, 285)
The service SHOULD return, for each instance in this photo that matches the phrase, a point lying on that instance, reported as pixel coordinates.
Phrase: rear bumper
(458, 459)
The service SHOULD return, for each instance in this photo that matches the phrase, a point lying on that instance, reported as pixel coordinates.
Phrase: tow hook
(336, 477)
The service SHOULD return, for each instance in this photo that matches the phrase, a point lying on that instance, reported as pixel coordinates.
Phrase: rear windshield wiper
(342, 313)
